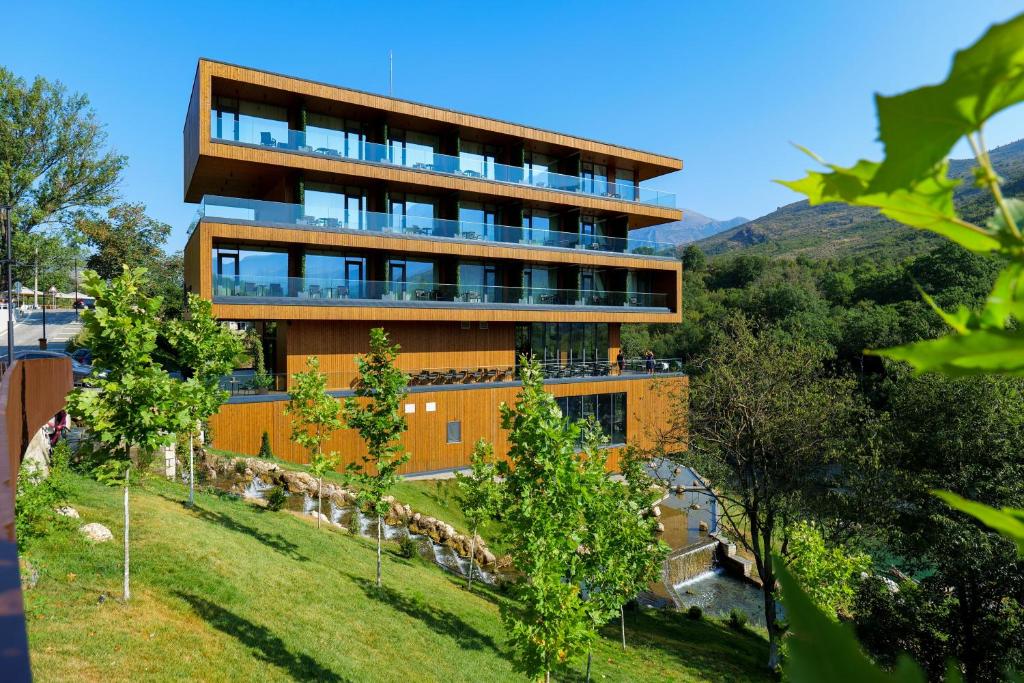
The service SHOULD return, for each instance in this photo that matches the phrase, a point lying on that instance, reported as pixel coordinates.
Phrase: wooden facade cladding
(239, 426)
(649, 164)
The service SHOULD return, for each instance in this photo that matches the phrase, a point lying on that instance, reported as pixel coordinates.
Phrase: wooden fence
(31, 392)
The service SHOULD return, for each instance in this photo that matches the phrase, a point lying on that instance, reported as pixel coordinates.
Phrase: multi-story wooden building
(326, 211)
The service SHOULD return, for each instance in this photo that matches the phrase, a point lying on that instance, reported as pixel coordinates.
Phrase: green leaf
(978, 352)
(926, 204)
(919, 127)
(823, 650)
(1008, 521)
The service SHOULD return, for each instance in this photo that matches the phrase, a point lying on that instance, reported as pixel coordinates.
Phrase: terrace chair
(315, 292)
(267, 139)
(249, 289)
(449, 376)
(490, 374)
(422, 378)
(275, 289)
(422, 295)
(340, 292)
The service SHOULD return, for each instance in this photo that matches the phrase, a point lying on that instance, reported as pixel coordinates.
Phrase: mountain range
(693, 227)
(838, 230)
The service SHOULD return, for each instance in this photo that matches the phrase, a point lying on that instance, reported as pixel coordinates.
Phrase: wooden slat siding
(191, 133)
(440, 345)
(31, 392)
(256, 235)
(221, 156)
(239, 427)
(652, 164)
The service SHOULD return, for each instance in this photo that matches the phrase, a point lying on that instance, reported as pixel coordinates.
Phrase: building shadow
(265, 646)
(275, 542)
(436, 619)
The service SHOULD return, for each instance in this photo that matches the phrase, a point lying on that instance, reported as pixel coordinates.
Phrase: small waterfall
(257, 488)
(308, 504)
(335, 513)
(364, 523)
(690, 562)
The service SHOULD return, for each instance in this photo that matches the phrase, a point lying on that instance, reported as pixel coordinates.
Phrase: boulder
(656, 511)
(68, 511)
(323, 518)
(95, 531)
(486, 558)
(660, 528)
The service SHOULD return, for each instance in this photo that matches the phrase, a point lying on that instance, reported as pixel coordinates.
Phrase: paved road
(61, 326)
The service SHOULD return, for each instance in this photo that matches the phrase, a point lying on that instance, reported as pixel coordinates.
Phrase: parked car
(82, 355)
(79, 371)
(83, 303)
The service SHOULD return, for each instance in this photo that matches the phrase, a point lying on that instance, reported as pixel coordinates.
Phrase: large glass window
(625, 184)
(536, 167)
(478, 281)
(411, 279)
(335, 136)
(538, 227)
(608, 410)
(409, 148)
(594, 178)
(415, 212)
(477, 220)
(572, 348)
(252, 122)
(477, 159)
(539, 283)
(334, 206)
(249, 272)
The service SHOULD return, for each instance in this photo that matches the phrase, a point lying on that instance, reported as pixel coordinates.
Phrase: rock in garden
(95, 531)
(68, 511)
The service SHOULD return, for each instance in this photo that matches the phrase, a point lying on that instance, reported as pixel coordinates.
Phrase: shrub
(240, 466)
(38, 497)
(407, 547)
(353, 522)
(276, 498)
(695, 613)
(266, 453)
(737, 619)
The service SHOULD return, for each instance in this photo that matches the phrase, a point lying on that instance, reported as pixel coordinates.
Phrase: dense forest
(960, 588)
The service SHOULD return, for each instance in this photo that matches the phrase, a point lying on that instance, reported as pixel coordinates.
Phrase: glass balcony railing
(339, 291)
(341, 145)
(329, 218)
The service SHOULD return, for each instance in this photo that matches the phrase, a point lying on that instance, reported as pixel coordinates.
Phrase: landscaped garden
(230, 591)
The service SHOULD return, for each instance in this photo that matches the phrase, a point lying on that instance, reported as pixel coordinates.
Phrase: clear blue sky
(723, 85)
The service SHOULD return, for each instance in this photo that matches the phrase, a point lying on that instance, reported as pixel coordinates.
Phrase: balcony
(245, 383)
(337, 219)
(300, 291)
(341, 145)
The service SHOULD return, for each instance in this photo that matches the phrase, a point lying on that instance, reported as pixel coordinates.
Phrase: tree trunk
(771, 621)
(622, 624)
(472, 554)
(319, 499)
(590, 656)
(127, 587)
(380, 523)
(191, 473)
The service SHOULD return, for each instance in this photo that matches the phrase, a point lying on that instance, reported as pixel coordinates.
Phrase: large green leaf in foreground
(824, 650)
(919, 127)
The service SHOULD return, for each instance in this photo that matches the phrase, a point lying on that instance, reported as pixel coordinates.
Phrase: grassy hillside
(227, 591)
(836, 230)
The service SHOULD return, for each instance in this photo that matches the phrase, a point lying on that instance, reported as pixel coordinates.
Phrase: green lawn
(229, 592)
